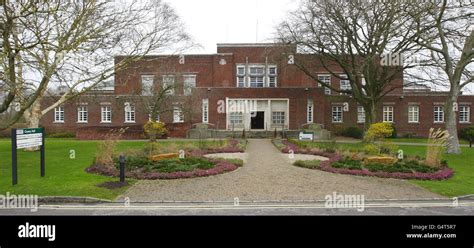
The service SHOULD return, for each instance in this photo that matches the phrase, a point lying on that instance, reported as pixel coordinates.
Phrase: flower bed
(194, 165)
(219, 168)
(441, 174)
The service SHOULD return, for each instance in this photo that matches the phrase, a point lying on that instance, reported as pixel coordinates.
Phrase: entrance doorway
(258, 120)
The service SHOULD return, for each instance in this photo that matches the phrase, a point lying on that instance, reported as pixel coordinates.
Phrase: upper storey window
(147, 82)
(256, 76)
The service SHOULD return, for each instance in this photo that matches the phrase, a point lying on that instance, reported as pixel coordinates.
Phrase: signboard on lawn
(26, 138)
(306, 136)
(29, 137)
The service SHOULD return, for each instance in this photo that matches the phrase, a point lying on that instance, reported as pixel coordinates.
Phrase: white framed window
(178, 115)
(241, 76)
(168, 84)
(413, 114)
(272, 76)
(189, 84)
(257, 76)
(278, 118)
(438, 114)
(327, 80)
(360, 114)
(106, 114)
(147, 83)
(310, 111)
(337, 116)
(236, 118)
(464, 114)
(82, 115)
(59, 114)
(344, 84)
(205, 110)
(130, 114)
(387, 113)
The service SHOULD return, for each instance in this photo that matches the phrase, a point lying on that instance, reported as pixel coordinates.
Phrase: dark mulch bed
(442, 174)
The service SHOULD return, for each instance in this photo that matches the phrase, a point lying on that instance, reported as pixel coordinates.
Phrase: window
(241, 76)
(236, 118)
(258, 76)
(147, 82)
(272, 76)
(387, 113)
(205, 110)
(360, 114)
(130, 114)
(82, 114)
(189, 84)
(344, 84)
(337, 114)
(438, 114)
(59, 114)
(278, 118)
(106, 114)
(309, 111)
(178, 116)
(464, 114)
(168, 84)
(325, 79)
(413, 114)
(256, 82)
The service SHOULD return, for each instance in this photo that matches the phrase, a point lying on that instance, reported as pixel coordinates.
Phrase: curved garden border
(443, 174)
(219, 168)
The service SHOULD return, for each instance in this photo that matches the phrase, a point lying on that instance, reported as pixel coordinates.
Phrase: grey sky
(231, 21)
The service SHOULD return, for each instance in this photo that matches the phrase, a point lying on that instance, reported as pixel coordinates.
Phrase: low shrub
(401, 166)
(309, 164)
(165, 165)
(235, 161)
(63, 135)
(467, 133)
(353, 132)
(371, 149)
(348, 164)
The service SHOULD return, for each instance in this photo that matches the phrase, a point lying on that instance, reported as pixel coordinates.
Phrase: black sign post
(26, 138)
(14, 161)
(42, 154)
(122, 168)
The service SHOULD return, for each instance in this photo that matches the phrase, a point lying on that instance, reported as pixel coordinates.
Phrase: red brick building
(243, 86)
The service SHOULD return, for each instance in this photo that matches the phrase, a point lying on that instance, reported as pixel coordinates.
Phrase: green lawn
(64, 176)
(462, 183)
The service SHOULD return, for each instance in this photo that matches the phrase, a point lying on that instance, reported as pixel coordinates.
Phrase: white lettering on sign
(30, 137)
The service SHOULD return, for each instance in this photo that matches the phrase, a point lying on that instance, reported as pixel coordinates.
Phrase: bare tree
(449, 46)
(354, 36)
(162, 90)
(73, 44)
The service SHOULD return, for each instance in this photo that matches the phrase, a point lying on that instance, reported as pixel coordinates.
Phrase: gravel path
(269, 176)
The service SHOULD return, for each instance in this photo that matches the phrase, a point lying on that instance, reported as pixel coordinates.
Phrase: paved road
(442, 207)
(269, 175)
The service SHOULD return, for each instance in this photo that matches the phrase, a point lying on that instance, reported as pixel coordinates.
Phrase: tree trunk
(370, 115)
(452, 146)
(32, 117)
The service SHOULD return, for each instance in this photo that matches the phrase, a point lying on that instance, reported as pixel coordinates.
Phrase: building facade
(250, 87)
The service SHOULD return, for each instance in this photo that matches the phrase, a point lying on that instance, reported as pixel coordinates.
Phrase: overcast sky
(231, 21)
